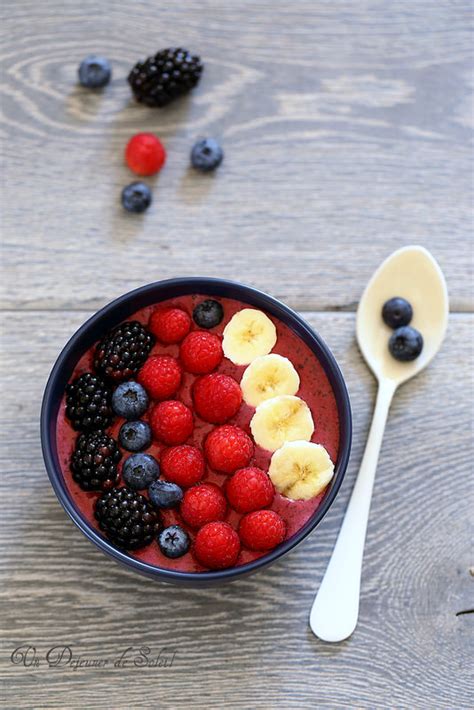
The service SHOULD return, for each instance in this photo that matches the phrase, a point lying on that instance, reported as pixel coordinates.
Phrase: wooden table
(345, 128)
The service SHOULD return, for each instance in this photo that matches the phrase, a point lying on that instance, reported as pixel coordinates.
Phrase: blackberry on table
(88, 402)
(94, 461)
(122, 352)
(165, 76)
(127, 518)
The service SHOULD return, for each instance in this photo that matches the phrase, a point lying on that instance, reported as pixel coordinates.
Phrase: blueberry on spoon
(397, 312)
(405, 343)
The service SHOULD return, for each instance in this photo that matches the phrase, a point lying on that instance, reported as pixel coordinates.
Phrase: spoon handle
(336, 606)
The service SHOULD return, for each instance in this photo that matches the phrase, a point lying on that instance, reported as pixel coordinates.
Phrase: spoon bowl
(411, 273)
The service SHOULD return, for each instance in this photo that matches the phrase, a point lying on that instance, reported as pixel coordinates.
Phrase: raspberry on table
(217, 546)
(183, 465)
(262, 530)
(169, 325)
(160, 376)
(171, 422)
(201, 352)
(203, 504)
(145, 154)
(228, 448)
(216, 398)
(249, 489)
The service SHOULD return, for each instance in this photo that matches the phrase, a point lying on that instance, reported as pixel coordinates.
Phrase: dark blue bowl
(122, 308)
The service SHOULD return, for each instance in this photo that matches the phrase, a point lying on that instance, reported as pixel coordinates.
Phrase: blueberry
(136, 197)
(174, 541)
(206, 155)
(139, 470)
(135, 436)
(94, 72)
(405, 343)
(129, 400)
(164, 494)
(208, 314)
(397, 312)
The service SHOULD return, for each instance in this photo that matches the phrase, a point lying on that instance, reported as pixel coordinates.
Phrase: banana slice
(248, 334)
(300, 470)
(268, 376)
(281, 419)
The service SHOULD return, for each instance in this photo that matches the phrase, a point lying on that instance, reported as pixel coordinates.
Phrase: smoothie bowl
(196, 430)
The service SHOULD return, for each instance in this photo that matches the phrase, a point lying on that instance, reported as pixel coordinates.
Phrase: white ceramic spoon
(411, 273)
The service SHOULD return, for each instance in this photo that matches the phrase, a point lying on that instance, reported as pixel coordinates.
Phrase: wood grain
(345, 128)
(248, 644)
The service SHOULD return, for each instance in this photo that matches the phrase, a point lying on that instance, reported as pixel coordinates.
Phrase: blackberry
(127, 518)
(122, 352)
(165, 76)
(88, 403)
(94, 461)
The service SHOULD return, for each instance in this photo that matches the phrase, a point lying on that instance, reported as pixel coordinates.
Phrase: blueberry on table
(206, 155)
(174, 541)
(94, 72)
(405, 343)
(136, 197)
(129, 400)
(397, 312)
(208, 314)
(139, 470)
(164, 494)
(135, 436)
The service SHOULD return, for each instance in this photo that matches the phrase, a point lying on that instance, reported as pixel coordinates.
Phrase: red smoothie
(315, 390)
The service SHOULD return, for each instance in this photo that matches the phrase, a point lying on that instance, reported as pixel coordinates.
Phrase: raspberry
(170, 325)
(171, 422)
(216, 398)
(228, 448)
(262, 530)
(160, 376)
(183, 465)
(201, 352)
(249, 489)
(217, 546)
(144, 154)
(203, 504)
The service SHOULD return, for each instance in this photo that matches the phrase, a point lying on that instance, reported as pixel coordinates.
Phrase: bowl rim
(328, 362)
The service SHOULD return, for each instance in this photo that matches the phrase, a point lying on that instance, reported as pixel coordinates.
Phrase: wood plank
(248, 644)
(345, 127)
